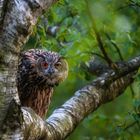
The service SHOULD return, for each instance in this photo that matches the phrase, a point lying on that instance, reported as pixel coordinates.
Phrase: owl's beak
(49, 71)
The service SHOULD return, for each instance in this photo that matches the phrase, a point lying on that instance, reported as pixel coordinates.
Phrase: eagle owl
(38, 72)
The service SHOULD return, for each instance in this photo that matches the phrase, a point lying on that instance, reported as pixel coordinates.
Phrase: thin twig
(121, 57)
(93, 53)
(98, 37)
(131, 3)
(130, 125)
(132, 90)
(115, 45)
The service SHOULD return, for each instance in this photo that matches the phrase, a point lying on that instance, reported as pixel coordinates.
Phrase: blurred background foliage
(67, 27)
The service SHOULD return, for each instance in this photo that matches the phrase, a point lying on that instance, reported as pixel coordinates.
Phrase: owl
(38, 73)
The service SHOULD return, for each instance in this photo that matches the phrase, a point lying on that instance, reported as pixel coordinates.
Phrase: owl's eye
(58, 64)
(44, 65)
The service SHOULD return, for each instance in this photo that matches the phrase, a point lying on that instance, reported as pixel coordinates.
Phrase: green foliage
(118, 25)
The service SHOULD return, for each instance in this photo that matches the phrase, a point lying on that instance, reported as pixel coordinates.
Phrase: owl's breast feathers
(39, 100)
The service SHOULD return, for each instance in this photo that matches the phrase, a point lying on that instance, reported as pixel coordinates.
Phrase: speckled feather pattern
(34, 91)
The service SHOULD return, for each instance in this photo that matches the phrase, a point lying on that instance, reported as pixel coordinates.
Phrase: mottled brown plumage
(38, 72)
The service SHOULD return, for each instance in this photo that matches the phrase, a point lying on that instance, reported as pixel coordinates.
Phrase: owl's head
(50, 67)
